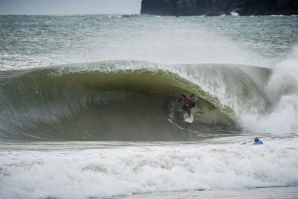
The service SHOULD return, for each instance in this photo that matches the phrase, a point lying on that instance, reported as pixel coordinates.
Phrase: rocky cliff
(219, 7)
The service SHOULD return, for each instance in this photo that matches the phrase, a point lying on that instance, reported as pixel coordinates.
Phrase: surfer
(188, 103)
(258, 141)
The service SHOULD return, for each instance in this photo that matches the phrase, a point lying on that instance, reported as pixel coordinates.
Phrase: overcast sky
(64, 7)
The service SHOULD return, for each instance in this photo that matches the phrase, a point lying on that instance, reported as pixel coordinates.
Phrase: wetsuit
(188, 104)
(258, 142)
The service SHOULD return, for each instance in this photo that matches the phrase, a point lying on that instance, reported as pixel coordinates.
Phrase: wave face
(127, 100)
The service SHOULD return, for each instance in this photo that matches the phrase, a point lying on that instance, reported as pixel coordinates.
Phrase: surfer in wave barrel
(188, 103)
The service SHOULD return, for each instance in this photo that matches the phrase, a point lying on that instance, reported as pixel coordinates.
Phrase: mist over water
(168, 40)
(282, 89)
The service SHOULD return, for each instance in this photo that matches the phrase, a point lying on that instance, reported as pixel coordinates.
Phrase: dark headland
(219, 7)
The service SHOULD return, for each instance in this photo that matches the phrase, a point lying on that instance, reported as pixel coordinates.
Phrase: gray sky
(64, 7)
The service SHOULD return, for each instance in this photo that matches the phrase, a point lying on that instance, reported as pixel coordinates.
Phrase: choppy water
(114, 81)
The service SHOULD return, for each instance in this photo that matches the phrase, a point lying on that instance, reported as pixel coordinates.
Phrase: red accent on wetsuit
(188, 101)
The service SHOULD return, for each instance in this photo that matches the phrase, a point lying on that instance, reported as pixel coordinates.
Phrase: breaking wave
(128, 100)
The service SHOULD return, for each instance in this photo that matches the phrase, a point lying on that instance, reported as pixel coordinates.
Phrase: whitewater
(88, 106)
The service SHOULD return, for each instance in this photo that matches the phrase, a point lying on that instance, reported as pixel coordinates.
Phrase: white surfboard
(187, 118)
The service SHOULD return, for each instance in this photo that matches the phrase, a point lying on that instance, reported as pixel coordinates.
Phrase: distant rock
(219, 7)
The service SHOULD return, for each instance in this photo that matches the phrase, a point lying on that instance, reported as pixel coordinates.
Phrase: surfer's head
(256, 139)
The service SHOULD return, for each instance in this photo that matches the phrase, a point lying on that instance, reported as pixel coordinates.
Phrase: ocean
(89, 107)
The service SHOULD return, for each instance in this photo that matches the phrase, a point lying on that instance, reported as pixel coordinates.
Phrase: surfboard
(187, 118)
